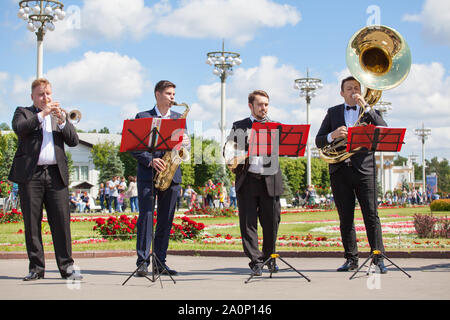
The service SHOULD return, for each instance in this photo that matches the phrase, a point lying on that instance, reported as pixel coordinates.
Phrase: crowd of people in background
(112, 194)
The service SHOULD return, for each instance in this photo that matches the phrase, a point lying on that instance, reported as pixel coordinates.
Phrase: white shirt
(256, 163)
(47, 155)
(158, 113)
(350, 116)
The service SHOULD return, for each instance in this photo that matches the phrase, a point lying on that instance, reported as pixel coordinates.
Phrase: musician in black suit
(258, 188)
(354, 176)
(40, 169)
(148, 165)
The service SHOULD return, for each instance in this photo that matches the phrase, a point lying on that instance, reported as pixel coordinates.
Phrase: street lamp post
(423, 135)
(308, 87)
(223, 62)
(383, 107)
(40, 20)
(413, 158)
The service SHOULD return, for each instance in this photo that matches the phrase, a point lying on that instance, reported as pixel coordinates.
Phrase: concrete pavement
(222, 278)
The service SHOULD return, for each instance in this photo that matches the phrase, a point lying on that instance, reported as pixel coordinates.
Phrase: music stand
(276, 139)
(381, 139)
(152, 135)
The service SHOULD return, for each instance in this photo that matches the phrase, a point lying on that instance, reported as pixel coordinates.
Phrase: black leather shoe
(32, 276)
(74, 275)
(164, 269)
(349, 265)
(272, 266)
(382, 267)
(142, 271)
(256, 270)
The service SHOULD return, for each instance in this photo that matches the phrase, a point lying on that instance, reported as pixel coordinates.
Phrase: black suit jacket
(363, 161)
(26, 125)
(144, 158)
(274, 182)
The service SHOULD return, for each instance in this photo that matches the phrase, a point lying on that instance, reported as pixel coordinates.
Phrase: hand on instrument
(340, 132)
(359, 100)
(158, 164)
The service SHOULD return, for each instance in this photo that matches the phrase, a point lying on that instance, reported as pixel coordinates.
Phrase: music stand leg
(155, 263)
(274, 256)
(374, 254)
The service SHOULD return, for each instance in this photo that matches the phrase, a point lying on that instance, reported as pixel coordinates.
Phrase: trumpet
(73, 116)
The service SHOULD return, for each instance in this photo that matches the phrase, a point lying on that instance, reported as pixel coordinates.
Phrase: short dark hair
(251, 96)
(350, 78)
(163, 85)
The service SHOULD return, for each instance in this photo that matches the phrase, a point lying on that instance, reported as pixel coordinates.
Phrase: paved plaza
(223, 278)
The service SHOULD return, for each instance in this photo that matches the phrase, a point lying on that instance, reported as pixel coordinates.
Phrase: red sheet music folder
(137, 134)
(291, 141)
(375, 138)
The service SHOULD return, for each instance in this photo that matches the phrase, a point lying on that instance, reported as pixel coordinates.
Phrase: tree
(8, 147)
(106, 160)
(4, 127)
(442, 170)
(113, 167)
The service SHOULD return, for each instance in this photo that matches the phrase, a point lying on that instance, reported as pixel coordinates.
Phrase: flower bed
(188, 229)
(14, 216)
(117, 228)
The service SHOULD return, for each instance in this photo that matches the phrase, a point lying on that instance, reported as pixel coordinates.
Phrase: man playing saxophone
(148, 165)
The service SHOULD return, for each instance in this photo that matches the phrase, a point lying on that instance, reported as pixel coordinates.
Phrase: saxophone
(172, 159)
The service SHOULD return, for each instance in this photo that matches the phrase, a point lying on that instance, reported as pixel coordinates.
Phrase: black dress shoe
(142, 271)
(74, 275)
(349, 265)
(32, 276)
(381, 267)
(272, 266)
(256, 270)
(164, 269)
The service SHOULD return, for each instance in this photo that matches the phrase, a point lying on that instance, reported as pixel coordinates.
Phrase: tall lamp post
(40, 20)
(413, 158)
(383, 107)
(223, 62)
(308, 87)
(423, 134)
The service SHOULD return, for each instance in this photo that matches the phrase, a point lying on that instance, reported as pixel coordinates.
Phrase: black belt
(46, 166)
(348, 164)
(255, 175)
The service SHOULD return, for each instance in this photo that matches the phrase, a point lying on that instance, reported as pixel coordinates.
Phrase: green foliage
(8, 147)
(106, 160)
(440, 205)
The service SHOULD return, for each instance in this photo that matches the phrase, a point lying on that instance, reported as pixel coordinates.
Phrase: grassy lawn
(300, 230)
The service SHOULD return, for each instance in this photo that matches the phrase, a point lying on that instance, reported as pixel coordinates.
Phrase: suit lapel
(341, 116)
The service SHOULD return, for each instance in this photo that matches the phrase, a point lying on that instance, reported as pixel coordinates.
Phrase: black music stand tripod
(293, 132)
(155, 263)
(381, 140)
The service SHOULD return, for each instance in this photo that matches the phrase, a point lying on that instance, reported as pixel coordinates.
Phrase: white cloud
(116, 19)
(4, 77)
(435, 17)
(106, 78)
(277, 80)
(232, 19)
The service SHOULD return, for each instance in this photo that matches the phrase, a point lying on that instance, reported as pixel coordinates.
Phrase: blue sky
(106, 56)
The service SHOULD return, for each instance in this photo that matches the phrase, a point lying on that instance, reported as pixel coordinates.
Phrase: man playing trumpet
(40, 169)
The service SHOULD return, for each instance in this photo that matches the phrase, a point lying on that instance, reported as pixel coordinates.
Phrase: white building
(392, 177)
(85, 176)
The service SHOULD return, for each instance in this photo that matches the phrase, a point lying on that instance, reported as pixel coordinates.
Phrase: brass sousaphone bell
(380, 59)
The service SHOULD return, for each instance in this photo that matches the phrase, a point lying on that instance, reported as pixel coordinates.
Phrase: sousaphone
(380, 59)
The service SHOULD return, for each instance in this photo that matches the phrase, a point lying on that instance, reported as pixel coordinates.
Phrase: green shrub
(440, 205)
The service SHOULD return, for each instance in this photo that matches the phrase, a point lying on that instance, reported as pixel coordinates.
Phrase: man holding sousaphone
(380, 56)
